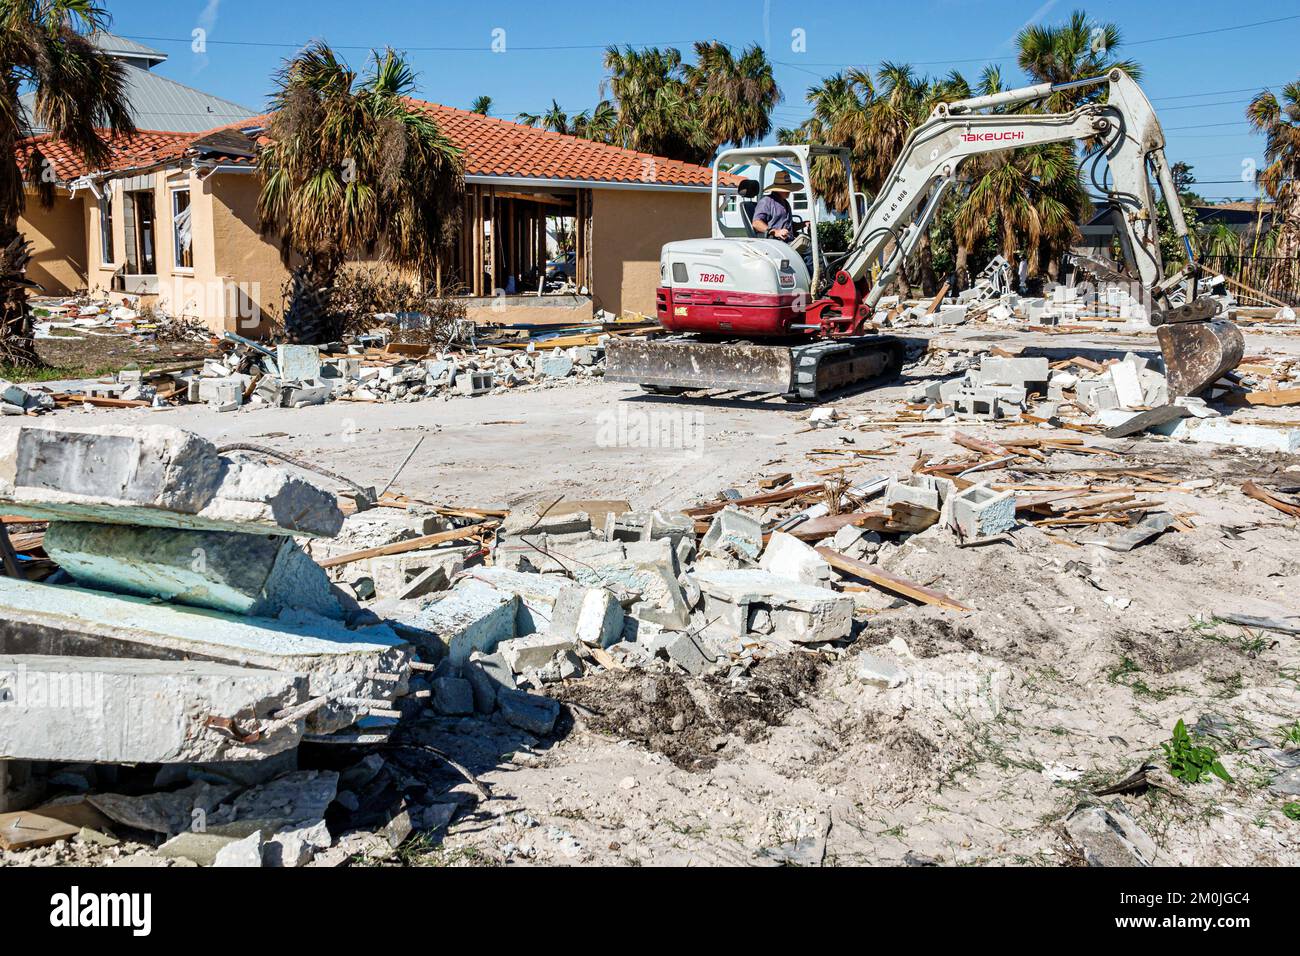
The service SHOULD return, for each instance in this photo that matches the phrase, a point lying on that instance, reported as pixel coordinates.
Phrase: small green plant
(1291, 735)
(1190, 762)
(1292, 810)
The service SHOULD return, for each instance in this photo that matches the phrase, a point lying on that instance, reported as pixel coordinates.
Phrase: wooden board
(26, 830)
(1275, 398)
(414, 544)
(883, 579)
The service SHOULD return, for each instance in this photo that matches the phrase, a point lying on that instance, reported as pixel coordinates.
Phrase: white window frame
(176, 239)
(106, 250)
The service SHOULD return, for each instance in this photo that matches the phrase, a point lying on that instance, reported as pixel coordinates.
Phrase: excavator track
(807, 371)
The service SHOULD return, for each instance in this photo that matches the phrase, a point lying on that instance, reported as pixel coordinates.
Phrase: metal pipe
(1022, 95)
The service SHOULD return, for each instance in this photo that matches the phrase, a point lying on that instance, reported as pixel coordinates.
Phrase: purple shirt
(775, 212)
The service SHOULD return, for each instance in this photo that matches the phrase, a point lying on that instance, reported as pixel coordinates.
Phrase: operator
(772, 215)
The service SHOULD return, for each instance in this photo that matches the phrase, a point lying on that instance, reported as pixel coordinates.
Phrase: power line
(1003, 59)
(410, 49)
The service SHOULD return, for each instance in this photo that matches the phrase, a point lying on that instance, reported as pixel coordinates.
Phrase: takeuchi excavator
(756, 315)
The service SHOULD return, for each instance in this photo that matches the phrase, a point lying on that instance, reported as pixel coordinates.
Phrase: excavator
(758, 315)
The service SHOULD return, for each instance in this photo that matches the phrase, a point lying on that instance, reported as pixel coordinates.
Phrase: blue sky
(1200, 84)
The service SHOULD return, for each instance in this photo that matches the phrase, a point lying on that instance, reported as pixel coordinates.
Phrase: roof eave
(564, 183)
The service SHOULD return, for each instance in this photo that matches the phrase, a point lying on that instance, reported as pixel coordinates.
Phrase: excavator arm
(1124, 131)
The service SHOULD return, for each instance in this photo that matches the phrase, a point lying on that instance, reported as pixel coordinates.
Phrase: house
(174, 219)
(1244, 216)
(157, 102)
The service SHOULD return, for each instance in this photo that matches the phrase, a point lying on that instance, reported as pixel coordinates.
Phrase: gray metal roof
(121, 46)
(163, 104)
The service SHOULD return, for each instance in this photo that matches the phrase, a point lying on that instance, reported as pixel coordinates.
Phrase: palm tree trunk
(309, 320)
(17, 345)
(925, 256)
(962, 267)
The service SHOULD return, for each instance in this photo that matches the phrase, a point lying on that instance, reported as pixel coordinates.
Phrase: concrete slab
(153, 475)
(255, 574)
(120, 710)
(369, 662)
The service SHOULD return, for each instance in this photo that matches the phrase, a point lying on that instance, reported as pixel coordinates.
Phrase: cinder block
(981, 512)
(976, 403)
(473, 383)
(917, 489)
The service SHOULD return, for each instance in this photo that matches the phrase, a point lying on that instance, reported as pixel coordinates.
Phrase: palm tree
(554, 119)
(352, 166)
(80, 97)
(481, 105)
(601, 124)
(828, 100)
(656, 111)
(1075, 50)
(735, 96)
(1279, 121)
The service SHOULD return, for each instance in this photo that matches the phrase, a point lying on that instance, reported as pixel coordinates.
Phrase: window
(106, 228)
(800, 201)
(181, 233)
(139, 228)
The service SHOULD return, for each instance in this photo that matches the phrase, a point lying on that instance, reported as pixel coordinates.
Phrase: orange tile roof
(497, 147)
(147, 148)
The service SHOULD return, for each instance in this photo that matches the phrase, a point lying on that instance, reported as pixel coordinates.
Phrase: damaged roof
(147, 148)
(496, 149)
(493, 149)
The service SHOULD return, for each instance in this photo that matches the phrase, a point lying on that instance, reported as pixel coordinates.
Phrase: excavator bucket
(1198, 354)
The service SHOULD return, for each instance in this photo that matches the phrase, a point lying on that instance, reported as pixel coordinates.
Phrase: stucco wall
(58, 238)
(628, 229)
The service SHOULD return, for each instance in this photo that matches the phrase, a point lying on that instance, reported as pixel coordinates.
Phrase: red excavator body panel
(723, 312)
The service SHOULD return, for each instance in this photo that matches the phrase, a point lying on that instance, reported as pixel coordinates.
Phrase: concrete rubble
(375, 368)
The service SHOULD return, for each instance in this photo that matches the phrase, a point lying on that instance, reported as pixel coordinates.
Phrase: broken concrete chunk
(124, 710)
(788, 557)
(153, 475)
(684, 650)
(473, 616)
(880, 672)
(244, 853)
(733, 534)
(298, 363)
(537, 593)
(487, 674)
(168, 813)
(453, 696)
(255, 574)
(592, 615)
(1109, 836)
(529, 712)
(533, 651)
(799, 612)
(370, 662)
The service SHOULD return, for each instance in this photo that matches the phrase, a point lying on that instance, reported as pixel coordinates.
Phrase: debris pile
(372, 369)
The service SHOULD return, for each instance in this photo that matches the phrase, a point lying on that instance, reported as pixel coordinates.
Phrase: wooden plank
(770, 498)
(1273, 501)
(775, 481)
(815, 529)
(407, 349)
(889, 582)
(1275, 398)
(26, 830)
(414, 544)
(934, 303)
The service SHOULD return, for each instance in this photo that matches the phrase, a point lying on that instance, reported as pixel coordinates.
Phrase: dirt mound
(690, 721)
